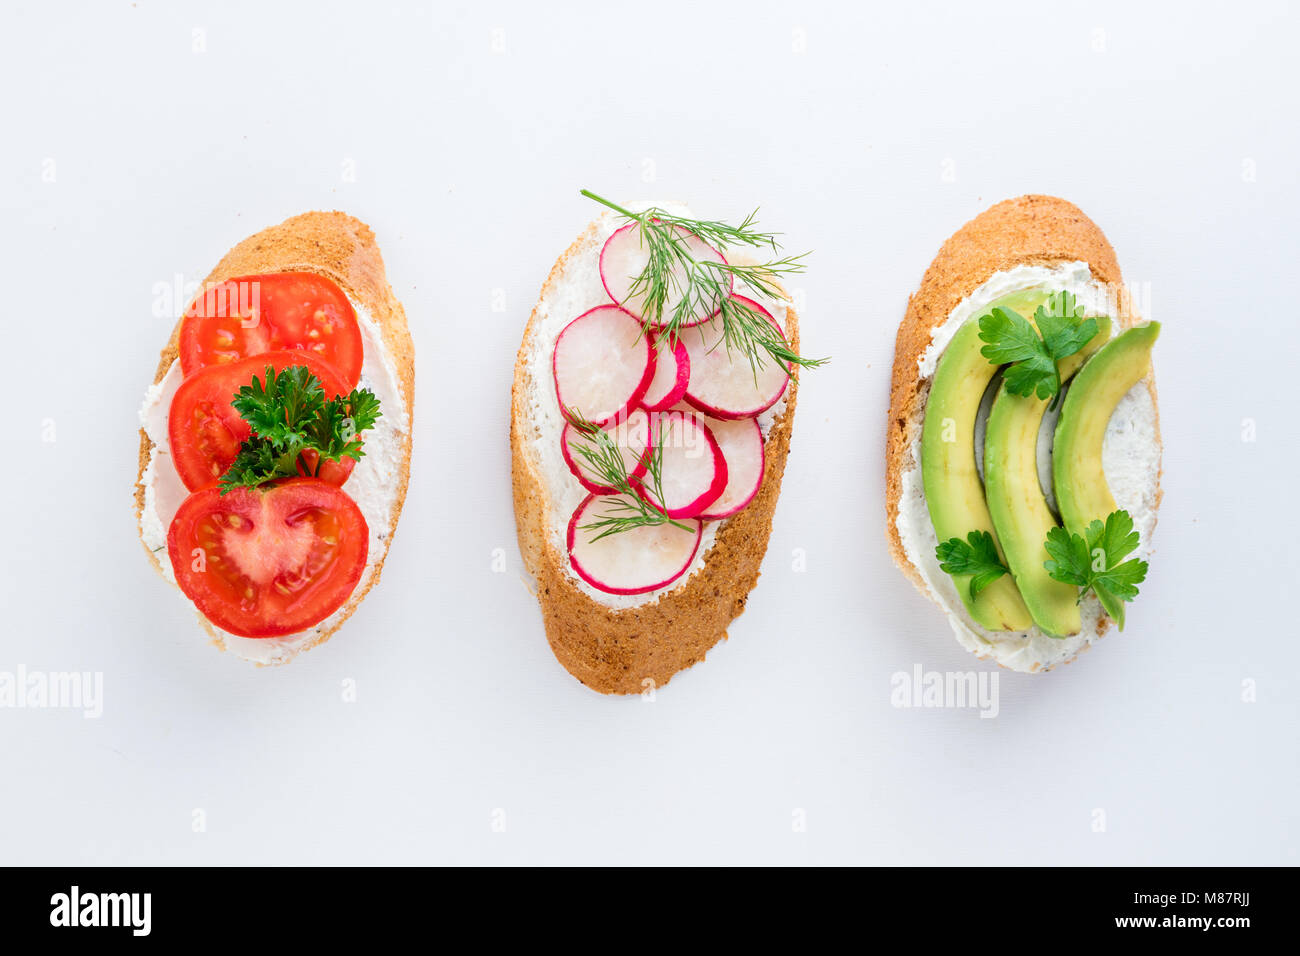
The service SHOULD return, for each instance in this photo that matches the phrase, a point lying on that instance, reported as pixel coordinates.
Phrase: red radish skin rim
(762, 473)
(645, 377)
(731, 415)
(731, 284)
(719, 484)
(683, 361)
(586, 482)
(600, 585)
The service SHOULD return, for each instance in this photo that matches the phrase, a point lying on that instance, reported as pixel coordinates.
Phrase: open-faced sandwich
(653, 402)
(1023, 450)
(275, 442)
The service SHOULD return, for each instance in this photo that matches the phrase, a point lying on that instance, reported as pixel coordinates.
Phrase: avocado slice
(1016, 501)
(954, 493)
(1082, 494)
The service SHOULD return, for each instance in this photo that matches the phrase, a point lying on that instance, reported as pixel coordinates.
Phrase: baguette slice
(343, 249)
(1030, 230)
(629, 650)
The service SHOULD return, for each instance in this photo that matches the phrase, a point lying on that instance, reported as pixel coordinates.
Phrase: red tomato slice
(205, 431)
(264, 562)
(288, 310)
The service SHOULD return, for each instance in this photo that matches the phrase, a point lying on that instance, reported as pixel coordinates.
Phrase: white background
(1173, 126)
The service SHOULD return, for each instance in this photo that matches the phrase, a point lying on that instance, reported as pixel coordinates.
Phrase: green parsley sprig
(1033, 353)
(703, 284)
(1095, 561)
(290, 415)
(977, 555)
(627, 508)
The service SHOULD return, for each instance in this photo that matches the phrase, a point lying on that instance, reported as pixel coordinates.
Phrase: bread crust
(630, 650)
(343, 249)
(1029, 230)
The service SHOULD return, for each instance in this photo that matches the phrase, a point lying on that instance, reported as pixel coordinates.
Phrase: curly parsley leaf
(278, 408)
(289, 415)
(1031, 354)
(338, 422)
(977, 556)
(256, 463)
(1095, 560)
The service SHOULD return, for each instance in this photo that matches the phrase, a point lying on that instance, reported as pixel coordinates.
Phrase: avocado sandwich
(1023, 445)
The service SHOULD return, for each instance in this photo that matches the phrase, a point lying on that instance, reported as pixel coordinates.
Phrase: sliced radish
(693, 472)
(741, 442)
(724, 383)
(630, 433)
(624, 258)
(602, 363)
(672, 375)
(630, 562)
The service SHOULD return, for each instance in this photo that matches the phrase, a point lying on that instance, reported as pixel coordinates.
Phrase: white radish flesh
(742, 448)
(724, 383)
(624, 258)
(631, 434)
(635, 561)
(602, 364)
(692, 472)
(672, 375)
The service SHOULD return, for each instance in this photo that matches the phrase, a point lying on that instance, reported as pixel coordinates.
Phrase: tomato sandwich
(275, 441)
(653, 404)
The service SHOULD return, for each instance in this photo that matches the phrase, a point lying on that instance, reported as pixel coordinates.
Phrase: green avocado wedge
(1016, 501)
(954, 493)
(1078, 479)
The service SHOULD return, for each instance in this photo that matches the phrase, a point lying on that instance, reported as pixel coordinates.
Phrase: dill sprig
(605, 459)
(703, 286)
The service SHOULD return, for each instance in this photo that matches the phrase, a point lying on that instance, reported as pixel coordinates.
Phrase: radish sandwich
(652, 407)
